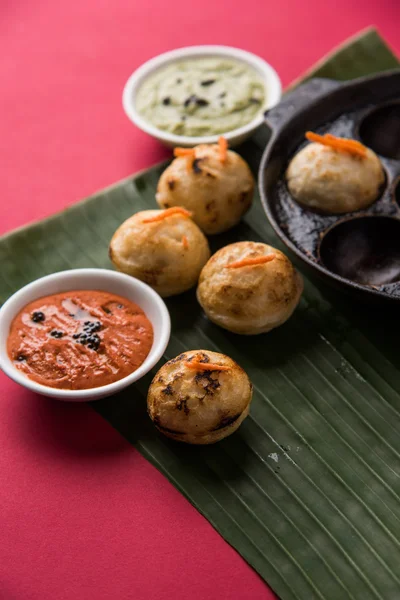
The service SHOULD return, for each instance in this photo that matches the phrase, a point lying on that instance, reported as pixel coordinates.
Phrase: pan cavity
(380, 130)
(364, 250)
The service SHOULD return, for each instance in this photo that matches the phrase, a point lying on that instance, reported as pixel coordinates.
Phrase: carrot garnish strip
(185, 242)
(183, 151)
(248, 262)
(175, 210)
(189, 153)
(346, 142)
(200, 366)
(337, 143)
(223, 149)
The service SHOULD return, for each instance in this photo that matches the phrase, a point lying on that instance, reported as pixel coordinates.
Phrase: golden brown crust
(167, 254)
(252, 299)
(199, 407)
(218, 193)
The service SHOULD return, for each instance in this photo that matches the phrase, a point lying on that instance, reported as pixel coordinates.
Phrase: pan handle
(296, 101)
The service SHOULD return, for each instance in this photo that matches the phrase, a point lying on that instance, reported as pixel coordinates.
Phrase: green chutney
(201, 96)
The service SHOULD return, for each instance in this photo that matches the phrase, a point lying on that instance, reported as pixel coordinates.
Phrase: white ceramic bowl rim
(37, 289)
(265, 70)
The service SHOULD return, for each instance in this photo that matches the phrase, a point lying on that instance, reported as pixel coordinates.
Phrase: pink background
(82, 514)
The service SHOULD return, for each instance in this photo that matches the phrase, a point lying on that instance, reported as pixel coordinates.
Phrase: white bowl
(236, 136)
(87, 279)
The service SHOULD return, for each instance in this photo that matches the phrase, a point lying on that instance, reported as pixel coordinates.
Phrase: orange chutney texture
(79, 339)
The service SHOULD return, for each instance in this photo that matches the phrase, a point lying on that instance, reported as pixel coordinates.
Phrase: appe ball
(249, 288)
(323, 179)
(199, 397)
(165, 249)
(217, 190)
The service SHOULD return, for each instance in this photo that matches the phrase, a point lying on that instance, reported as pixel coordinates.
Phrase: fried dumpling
(249, 288)
(163, 248)
(335, 175)
(199, 397)
(214, 183)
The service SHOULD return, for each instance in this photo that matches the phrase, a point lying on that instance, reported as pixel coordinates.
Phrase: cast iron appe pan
(314, 105)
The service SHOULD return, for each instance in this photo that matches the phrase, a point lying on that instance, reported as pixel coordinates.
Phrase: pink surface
(82, 514)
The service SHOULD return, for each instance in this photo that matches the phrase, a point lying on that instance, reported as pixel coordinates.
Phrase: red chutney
(79, 339)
